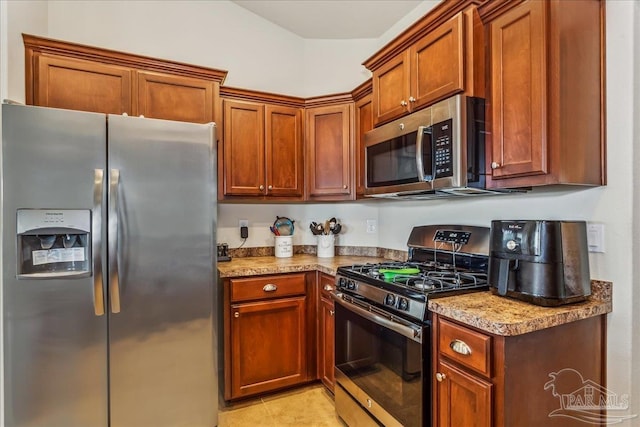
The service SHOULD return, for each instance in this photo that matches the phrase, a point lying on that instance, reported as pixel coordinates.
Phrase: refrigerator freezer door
(161, 335)
(55, 354)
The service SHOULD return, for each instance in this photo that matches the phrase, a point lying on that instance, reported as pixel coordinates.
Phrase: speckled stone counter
(254, 266)
(506, 316)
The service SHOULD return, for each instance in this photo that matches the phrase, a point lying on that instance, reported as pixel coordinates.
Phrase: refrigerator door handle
(96, 249)
(114, 279)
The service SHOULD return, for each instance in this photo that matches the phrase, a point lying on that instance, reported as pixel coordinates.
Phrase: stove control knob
(390, 299)
(351, 285)
(512, 245)
(342, 282)
(403, 304)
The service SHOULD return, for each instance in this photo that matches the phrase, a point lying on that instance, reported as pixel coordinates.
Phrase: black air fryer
(542, 262)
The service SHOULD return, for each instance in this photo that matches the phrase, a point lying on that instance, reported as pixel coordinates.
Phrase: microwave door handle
(419, 163)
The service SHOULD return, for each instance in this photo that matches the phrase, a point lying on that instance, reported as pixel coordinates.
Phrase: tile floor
(310, 406)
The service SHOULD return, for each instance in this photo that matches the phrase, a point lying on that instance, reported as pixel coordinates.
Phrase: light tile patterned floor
(311, 406)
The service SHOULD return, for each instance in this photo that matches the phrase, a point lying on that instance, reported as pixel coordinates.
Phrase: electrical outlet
(372, 226)
(244, 228)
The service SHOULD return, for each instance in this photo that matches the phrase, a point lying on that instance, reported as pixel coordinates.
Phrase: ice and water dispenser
(53, 243)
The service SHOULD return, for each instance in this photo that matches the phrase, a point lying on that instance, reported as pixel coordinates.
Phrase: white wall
(261, 56)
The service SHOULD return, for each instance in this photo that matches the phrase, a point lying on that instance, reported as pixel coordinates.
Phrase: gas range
(443, 260)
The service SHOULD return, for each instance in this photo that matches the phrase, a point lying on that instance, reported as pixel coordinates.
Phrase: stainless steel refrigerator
(108, 270)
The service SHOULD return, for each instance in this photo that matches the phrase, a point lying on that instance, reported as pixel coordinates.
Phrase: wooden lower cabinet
(326, 331)
(487, 380)
(267, 345)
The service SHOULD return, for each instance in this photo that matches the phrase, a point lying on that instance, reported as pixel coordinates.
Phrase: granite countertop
(254, 266)
(483, 310)
(506, 316)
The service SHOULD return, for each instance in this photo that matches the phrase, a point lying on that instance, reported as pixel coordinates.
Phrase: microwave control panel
(442, 149)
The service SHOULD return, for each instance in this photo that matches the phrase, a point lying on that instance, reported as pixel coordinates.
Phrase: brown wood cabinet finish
(431, 68)
(68, 75)
(75, 84)
(512, 391)
(263, 150)
(268, 345)
(269, 335)
(326, 331)
(364, 123)
(329, 160)
(168, 97)
(546, 112)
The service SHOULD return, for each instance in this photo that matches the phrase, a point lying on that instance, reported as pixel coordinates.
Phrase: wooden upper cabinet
(284, 151)
(363, 124)
(329, 152)
(263, 150)
(67, 75)
(391, 89)
(546, 79)
(81, 85)
(519, 93)
(244, 148)
(168, 97)
(437, 64)
(430, 69)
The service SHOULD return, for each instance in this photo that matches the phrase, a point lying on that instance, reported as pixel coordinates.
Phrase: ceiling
(332, 19)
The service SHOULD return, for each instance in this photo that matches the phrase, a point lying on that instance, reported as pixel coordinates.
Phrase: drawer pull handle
(328, 288)
(270, 287)
(440, 377)
(460, 347)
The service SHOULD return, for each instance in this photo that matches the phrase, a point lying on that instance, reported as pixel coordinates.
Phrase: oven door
(381, 363)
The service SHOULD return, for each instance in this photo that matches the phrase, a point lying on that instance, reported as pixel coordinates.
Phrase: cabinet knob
(236, 314)
(270, 287)
(270, 187)
(261, 187)
(412, 99)
(403, 103)
(328, 288)
(460, 347)
(332, 312)
(495, 165)
(345, 186)
(440, 377)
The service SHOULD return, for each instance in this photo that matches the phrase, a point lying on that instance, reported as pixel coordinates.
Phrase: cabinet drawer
(327, 284)
(267, 287)
(469, 348)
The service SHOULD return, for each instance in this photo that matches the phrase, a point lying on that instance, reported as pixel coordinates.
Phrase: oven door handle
(412, 333)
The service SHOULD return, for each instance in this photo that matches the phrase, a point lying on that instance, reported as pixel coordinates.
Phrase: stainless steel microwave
(436, 151)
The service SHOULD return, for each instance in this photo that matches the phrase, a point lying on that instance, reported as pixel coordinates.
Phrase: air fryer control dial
(512, 245)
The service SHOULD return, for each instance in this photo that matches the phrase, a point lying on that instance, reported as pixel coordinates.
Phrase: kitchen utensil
(332, 223)
(327, 228)
(391, 273)
(284, 226)
(274, 230)
(336, 229)
(319, 229)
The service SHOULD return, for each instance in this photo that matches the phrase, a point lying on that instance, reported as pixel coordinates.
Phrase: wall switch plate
(372, 226)
(595, 237)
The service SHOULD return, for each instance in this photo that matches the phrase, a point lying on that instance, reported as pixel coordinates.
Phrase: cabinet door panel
(81, 85)
(174, 98)
(438, 63)
(391, 88)
(462, 399)
(329, 155)
(243, 148)
(284, 151)
(268, 345)
(518, 67)
(364, 123)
